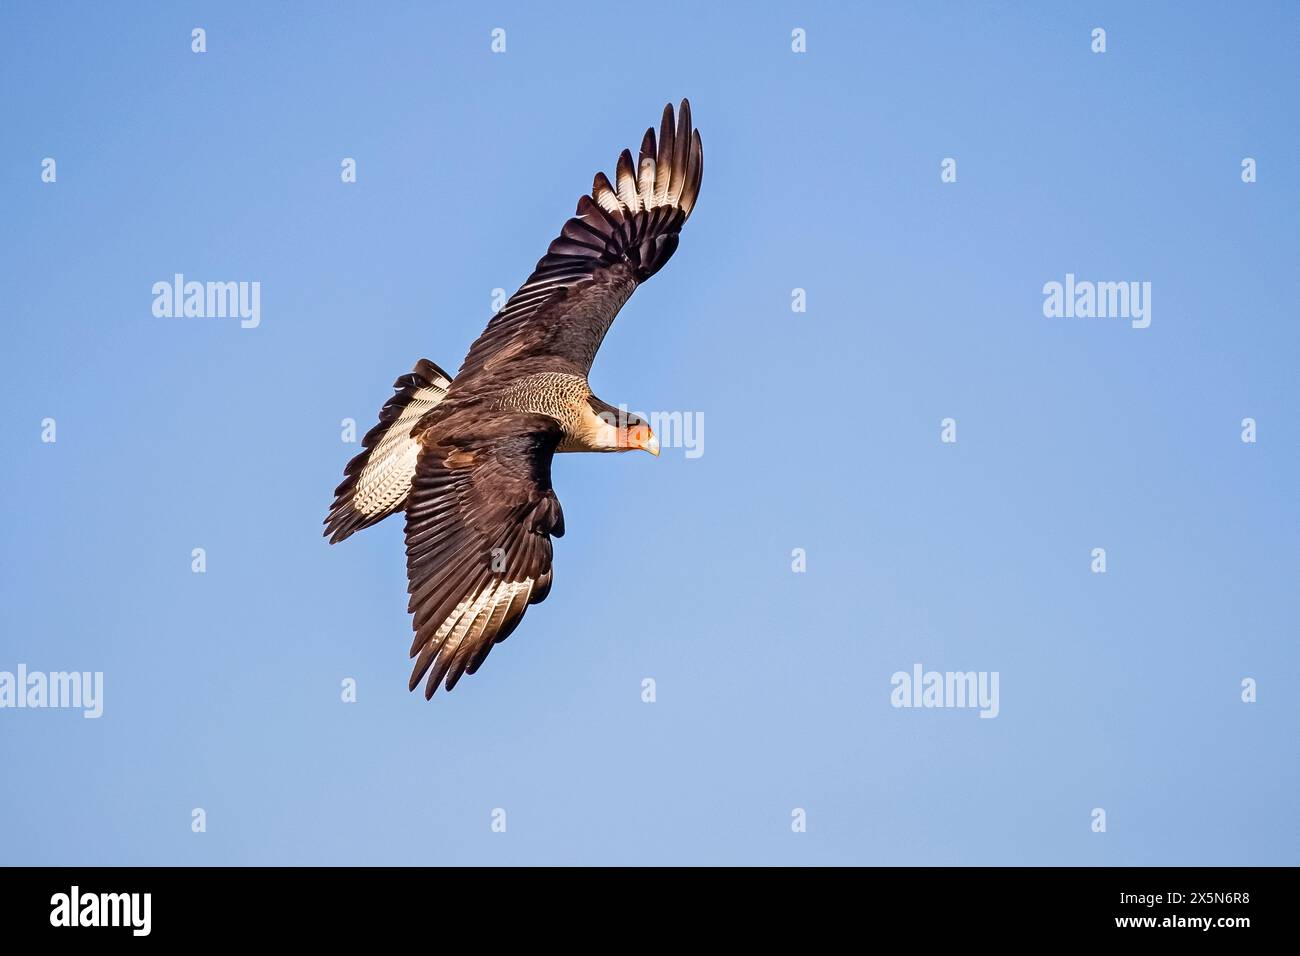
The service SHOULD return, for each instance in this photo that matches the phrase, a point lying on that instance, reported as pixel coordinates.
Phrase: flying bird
(468, 459)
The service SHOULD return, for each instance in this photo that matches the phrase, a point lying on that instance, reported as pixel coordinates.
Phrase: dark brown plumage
(469, 458)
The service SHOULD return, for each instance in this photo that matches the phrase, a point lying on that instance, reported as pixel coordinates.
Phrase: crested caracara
(469, 458)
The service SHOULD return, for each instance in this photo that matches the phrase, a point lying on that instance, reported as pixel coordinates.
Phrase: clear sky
(1120, 691)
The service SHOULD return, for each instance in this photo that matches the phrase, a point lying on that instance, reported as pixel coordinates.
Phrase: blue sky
(1119, 691)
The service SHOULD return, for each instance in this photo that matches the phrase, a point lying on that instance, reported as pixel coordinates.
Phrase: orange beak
(640, 436)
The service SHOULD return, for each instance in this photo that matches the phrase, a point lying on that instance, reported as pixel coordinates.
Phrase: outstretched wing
(479, 522)
(622, 234)
(376, 481)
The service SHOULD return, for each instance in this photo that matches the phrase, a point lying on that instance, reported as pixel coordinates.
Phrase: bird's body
(469, 459)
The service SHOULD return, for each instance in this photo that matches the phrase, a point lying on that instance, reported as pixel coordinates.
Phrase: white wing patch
(472, 615)
(386, 478)
(463, 640)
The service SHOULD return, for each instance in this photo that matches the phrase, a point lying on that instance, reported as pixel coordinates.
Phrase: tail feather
(378, 480)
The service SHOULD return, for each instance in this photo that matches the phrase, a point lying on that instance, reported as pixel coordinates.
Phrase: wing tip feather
(667, 172)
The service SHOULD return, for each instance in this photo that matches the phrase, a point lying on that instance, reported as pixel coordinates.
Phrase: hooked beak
(640, 436)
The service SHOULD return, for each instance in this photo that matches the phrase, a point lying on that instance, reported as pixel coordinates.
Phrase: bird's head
(620, 430)
(635, 433)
